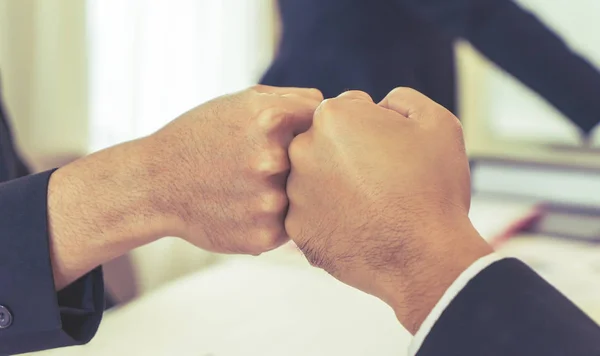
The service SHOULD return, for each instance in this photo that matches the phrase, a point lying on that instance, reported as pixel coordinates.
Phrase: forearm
(420, 285)
(98, 209)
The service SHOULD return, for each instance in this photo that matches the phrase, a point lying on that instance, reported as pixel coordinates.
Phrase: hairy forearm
(99, 207)
(420, 287)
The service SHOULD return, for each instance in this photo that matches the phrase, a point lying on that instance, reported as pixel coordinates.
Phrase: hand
(379, 197)
(221, 168)
(215, 177)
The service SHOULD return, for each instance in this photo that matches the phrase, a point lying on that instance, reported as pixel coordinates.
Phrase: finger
(287, 118)
(292, 227)
(296, 198)
(282, 239)
(356, 95)
(299, 153)
(297, 118)
(348, 112)
(273, 164)
(311, 93)
(409, 103)
(269, 237)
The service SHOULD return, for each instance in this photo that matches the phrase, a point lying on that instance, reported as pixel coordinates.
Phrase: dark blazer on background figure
(378, 45)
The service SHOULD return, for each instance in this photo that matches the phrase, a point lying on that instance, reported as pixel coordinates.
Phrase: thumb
(356, 95)
(299, 115)
(295, 117)
(409, 103)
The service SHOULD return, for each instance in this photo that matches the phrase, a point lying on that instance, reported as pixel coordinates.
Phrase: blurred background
(78, 76)
(82, 75)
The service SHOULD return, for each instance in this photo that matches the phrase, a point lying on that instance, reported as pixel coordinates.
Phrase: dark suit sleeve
(523, 46)
(508, 309)
(32, 315)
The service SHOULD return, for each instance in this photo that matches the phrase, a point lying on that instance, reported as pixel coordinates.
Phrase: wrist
(415, 291)
(99, 209)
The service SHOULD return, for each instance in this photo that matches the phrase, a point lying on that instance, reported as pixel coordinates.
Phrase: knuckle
(270, 119)
(267, 239)
(290, 224)
(326, 112)
(316, 93)
(329, 106)
(356, 94)
(402, 91)
(297, 148)
(293, 224)
(271, 162)
(274, 202)
(292, 190)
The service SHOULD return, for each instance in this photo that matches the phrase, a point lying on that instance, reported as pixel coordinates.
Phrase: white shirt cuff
(447, 298)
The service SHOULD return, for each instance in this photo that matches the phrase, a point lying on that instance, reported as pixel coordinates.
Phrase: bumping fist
(219, 171)
(379, 192)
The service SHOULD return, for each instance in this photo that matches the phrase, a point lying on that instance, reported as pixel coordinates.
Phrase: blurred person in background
(377, 45)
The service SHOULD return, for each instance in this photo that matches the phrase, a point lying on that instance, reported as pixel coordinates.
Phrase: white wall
(54, 65)
(43, 68)
(150, 61)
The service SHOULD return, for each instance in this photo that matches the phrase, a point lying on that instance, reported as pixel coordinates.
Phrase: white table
(278, 305)
(251, 307)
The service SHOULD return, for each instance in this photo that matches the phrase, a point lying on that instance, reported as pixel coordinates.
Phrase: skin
(379, 198)
(215, 177)
(377, 194)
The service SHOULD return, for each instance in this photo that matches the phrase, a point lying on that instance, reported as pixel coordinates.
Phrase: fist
(375, 190)
(219, 170)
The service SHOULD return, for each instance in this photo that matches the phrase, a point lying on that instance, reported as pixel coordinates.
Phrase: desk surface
(277, 305)
(250, 308)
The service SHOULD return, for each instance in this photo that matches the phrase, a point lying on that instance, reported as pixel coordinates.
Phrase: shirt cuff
(447, 298)
(35, 316)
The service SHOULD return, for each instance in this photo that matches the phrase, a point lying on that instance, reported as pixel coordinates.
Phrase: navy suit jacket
(508, 309)
(377, 45)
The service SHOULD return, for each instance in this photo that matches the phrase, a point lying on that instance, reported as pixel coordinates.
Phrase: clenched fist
(215, 176)
(379, 197)
(225, 166)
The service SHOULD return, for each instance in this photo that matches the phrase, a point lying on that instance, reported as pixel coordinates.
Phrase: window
(152, 60)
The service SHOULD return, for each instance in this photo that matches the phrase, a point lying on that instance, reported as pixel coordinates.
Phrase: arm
(99, 208)
(390, 218)
(56, 227)
(523, 46)
(215, 177)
